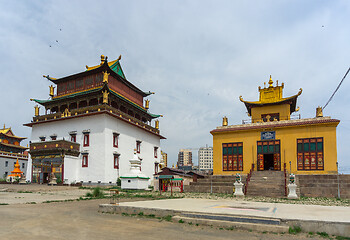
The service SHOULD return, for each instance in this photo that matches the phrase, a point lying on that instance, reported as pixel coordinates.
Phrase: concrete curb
(333, 228)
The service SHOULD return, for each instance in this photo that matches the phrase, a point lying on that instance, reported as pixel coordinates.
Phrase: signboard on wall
(268, 135)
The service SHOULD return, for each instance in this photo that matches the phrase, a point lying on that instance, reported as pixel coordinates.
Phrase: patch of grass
(197, 224)
(311, 233)
(24, 192)
(53, 201)
(181, 221)
(342, 238)
(294, 230)
(264, 232)
(230, 228)
(4, 204)
(190, 223)
(30, 202)
(167, 218)
(323, 234)
(125, 214)
(140, 214)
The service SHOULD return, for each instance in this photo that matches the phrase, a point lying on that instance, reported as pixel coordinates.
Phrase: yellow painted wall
(283, 110)
(288, 137)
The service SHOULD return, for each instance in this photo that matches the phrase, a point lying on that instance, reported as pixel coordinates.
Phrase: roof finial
(4, 125)
(270, 82)
(102, 59)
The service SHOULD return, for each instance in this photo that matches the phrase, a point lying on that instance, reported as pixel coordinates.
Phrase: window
(6, 173)
(23, 165)
(6, 163)
(116, 161)
(85, 160)
(310, 154)
(42, 138)
(53, 137)
(232, 156)
(115, 139)
(86, 141)
(138, 146)
(155, 152)
(73, 137)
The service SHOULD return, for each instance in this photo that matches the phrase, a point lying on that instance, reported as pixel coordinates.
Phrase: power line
(336, 89)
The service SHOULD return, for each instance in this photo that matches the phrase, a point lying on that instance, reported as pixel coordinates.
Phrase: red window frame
(85, 160)
(155, 152)
(138, 146)
(86, 140)
(73, 138)
(116, 161)
(115, 139)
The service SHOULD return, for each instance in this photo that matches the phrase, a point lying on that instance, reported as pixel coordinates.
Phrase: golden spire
(4, 125)
(157, 124)
(147, 104)
(102, 59)
(270, 82)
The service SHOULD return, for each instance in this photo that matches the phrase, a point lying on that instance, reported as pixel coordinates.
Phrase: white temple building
(90, 128)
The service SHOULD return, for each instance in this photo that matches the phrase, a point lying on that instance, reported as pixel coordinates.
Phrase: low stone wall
(323, 185)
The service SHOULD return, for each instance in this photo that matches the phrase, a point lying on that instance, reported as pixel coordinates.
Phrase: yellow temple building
(272, 140)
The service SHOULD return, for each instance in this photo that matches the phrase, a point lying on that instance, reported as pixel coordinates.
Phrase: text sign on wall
(268, 135)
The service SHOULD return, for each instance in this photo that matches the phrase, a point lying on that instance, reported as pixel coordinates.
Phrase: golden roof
(272, 96)
(103, 58)
(8, 132)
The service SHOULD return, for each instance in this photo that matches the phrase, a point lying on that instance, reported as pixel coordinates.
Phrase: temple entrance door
(268, 155)
(46, 177)
(268, 162)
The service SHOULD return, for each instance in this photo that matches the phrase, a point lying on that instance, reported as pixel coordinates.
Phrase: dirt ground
(81, 220)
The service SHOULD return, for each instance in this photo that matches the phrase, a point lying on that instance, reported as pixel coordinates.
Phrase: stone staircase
(214, 184)
(267, 184)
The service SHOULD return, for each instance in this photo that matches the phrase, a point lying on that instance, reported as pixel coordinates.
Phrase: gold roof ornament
(36, 110)
(270, 82)
(319, 112)
(224, 121)
(102, 59)
(147, 104)
(157, 124)
(52, 91)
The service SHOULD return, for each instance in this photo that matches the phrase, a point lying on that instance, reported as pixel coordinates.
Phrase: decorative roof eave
(105, 86)
(277, 124)
(90, 114)
(99, 68)
(12, 136)
(12, 145)
(289, 100)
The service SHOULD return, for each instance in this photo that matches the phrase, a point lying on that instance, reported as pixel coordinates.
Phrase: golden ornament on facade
(157, 124)
(102, 59)
(105, 96)
(105, 76)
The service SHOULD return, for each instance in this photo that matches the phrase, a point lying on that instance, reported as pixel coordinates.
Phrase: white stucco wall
(100, 150)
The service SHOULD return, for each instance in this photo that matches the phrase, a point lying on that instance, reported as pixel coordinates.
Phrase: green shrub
(294, 230)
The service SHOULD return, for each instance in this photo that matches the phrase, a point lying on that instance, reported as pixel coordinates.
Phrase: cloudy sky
(198, 56)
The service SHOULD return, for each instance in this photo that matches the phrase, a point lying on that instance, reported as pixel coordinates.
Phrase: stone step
(208, 189)
(233, 224)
